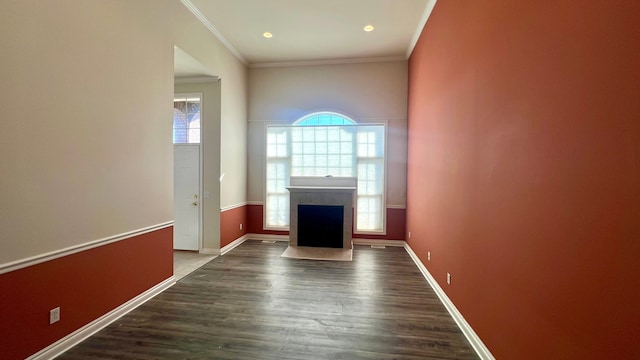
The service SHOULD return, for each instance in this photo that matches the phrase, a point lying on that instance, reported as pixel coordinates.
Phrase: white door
(186, 196)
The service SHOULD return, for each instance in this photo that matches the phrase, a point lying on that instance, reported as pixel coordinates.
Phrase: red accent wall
(85, 286)
(396, 221)
(396, 225)
(255, 218)
(524, 172)
(230, 221)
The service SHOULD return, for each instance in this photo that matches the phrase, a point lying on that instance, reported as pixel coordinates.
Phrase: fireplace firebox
(320, 225)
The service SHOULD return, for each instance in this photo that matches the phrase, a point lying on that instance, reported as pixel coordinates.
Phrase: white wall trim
(360, 120)
(423, 22)
(93, 327)
(477, 344)
(255, 202)
(268, 237)
(34, 260)
(209, 251)
(194, 10)
(195, 79)
(237, 242)
(234, 244)
(395, 243)
(231, 207)
(327, 62)
(396, 206)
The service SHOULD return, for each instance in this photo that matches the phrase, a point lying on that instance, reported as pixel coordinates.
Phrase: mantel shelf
(320, 189)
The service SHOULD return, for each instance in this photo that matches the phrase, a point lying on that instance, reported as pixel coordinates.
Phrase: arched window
(321, 144)
(324, 119)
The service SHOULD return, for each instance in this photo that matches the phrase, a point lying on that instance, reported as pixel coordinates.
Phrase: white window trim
(385, 123)
(264, 180)
(382, 232)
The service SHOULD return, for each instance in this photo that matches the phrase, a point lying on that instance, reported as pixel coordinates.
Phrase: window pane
(369, 215)
(186, 121)
(296, 135)
(346, 147)
(307, 135)
(194, 136)
(322, 148)
(333, 133)
(180, 105)
(193, 106)
(321, 134)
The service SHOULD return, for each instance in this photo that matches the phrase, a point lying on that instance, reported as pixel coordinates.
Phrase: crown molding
(327, 62)
(421, 25)
(194, 10)
(195, 79)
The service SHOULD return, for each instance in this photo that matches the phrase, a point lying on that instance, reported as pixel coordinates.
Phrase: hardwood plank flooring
(253, 304)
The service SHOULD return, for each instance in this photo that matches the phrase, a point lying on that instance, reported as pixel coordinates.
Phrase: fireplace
(320, 225)
(321, 211)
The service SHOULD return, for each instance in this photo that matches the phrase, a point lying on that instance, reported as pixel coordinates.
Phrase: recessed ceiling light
(268, 35)
(368, 28)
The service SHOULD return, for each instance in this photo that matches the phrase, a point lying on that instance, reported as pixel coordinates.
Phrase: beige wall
(367, 92)
(86, 119)
(210, 125)
(195, 39)
(85, 95)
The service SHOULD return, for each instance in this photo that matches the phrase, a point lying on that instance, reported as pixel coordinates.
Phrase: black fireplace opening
(320, 225)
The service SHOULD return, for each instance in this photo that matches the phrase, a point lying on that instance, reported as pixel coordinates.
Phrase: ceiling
(313, 30)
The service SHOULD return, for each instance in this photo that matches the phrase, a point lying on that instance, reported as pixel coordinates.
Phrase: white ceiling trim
(195, 79)
(213, 30)
(421, 25)
(327, 62)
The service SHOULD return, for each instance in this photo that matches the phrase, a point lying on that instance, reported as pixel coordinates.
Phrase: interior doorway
(187, 172)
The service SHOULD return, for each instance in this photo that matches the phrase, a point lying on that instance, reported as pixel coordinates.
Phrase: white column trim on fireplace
(336, 196)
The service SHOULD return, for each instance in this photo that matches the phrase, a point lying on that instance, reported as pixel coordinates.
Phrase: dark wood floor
(253, 304)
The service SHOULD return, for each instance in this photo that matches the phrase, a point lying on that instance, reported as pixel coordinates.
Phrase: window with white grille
(186, 120)
(324, 144)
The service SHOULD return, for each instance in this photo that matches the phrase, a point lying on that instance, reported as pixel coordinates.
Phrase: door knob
(195, 203)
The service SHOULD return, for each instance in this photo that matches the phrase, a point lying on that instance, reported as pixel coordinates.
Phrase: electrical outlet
(54, 315)
(428, 255)
(448, 278)
(240, 226)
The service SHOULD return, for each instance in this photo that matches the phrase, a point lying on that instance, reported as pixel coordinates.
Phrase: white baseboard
(267, 237)
(237, 242)
(397, 243)
(210, 251)
(473, 338)
(98, 324)
(232, 245)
